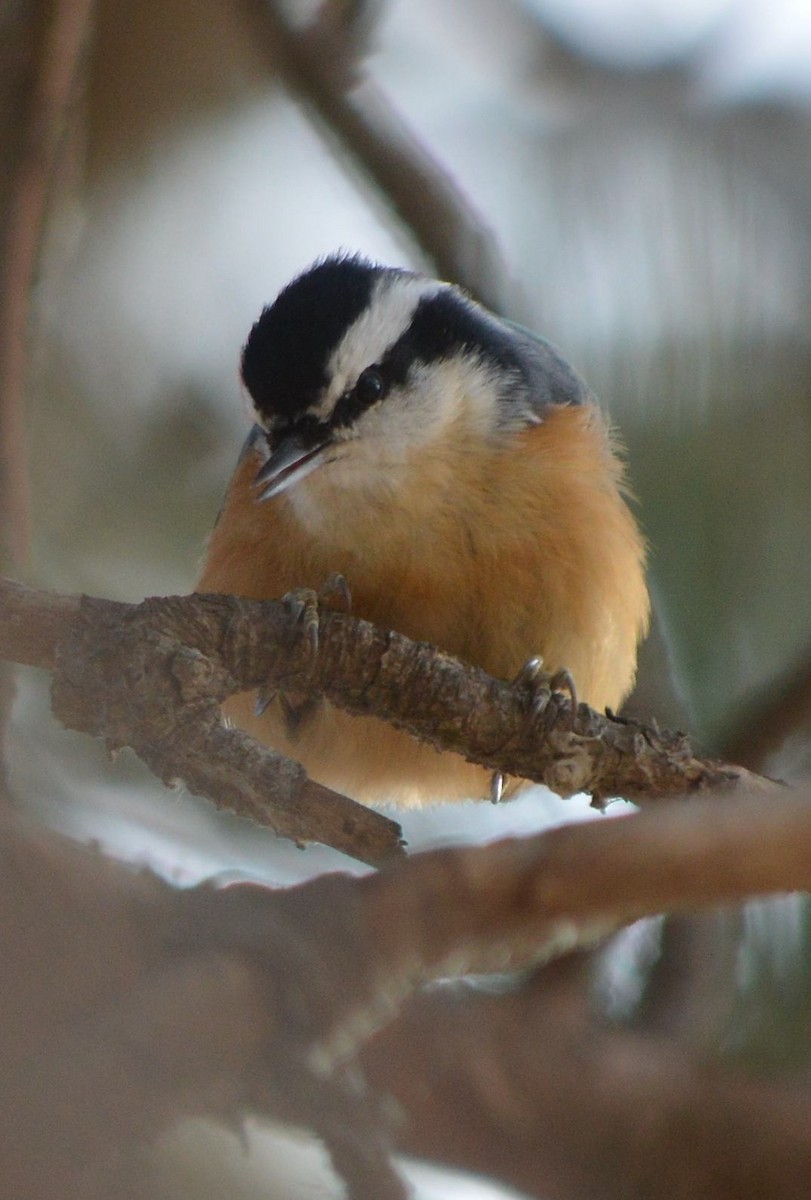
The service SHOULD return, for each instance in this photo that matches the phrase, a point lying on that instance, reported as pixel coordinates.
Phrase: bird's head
(355, 368)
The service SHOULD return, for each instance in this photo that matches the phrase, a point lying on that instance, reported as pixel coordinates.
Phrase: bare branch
(60, 59)
(153, 675)
(161, 697)
(513, 903)
(526, 1089)
(319, 65)
(673, 858)
(33, 623)
(262, 999)
(356, 19)
(784, 709)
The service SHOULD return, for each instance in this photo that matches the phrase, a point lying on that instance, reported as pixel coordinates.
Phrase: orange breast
(530, 549)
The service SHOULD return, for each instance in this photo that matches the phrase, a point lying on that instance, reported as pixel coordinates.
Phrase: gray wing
(550, 379)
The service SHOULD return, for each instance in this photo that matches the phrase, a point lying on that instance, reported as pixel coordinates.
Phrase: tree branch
(49, 109)
(358, 949)
(320, 66)
(133, 684)
(154, 1003)
(478, 1078)
(153, 675)
(782, 710)
(528, 1089)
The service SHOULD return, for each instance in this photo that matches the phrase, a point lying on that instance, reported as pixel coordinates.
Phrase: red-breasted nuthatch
(458, 474)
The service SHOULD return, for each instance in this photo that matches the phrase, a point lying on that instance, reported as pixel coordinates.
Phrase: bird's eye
(370, 386)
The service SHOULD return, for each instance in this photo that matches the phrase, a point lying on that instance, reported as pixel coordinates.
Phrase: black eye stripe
(286, 359)
(370, 387)
(446, 324)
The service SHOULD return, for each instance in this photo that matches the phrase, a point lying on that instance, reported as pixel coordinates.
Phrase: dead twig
(530, 1090)
(161, 697)
(153, 1003)
(320, 66)
(782, 710)
(49, 111)
(153, 676)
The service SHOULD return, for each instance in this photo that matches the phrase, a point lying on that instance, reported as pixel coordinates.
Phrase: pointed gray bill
(292, 460)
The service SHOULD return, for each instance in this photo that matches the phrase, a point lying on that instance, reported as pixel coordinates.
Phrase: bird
(459, 475)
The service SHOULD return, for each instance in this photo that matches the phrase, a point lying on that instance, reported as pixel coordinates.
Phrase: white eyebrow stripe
(394, 301)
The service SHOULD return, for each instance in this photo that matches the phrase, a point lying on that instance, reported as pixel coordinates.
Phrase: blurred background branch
(148, 1003)
(590, 1110)
(53, 58)
(40, 68)
(322, 66)
(784, 713)
(643, 169)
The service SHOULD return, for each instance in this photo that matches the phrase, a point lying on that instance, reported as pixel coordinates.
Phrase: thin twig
(783, 709)
(50, 109)
(319, 65)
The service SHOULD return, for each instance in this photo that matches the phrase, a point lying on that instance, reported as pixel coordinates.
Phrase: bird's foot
(541, 688)
(334, 594)
(304, 605)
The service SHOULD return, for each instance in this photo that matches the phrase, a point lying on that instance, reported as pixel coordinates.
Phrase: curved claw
(541, 695)
(530, 671)
(263, 701)
(542, 686)
(562, 681)
(302, 604)
(336, 588)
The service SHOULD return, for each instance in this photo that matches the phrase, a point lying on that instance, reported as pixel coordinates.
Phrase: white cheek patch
(388, 316)
(436, 396)
(440, 400)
